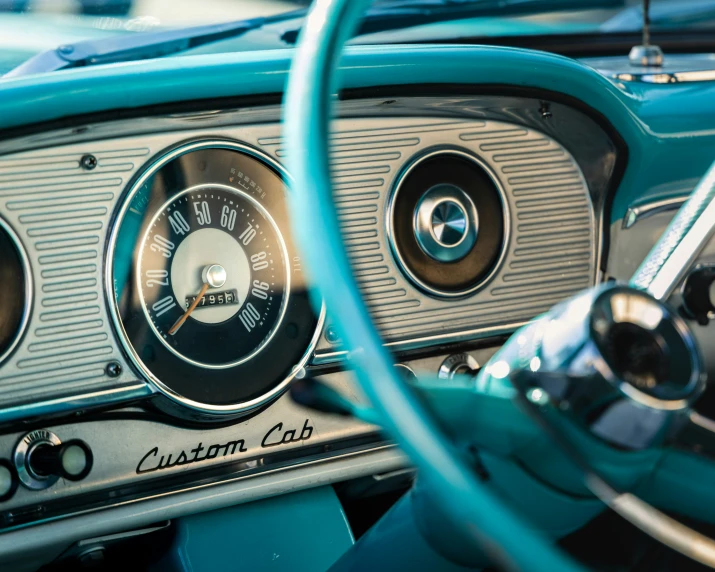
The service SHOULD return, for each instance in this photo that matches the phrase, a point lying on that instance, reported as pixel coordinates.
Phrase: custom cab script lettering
(153, 462)
(277, 436)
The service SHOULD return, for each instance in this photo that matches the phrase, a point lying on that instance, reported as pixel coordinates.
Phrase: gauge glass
(201, 232)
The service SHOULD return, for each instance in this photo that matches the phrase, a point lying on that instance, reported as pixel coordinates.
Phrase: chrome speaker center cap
(449, 223)
(446, 223)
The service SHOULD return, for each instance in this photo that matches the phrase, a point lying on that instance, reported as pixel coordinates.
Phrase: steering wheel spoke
(680, 244)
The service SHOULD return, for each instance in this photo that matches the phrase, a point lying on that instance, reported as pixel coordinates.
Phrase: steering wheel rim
(502, 534)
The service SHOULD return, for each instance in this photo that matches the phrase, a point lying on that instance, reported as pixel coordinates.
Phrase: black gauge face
(208, 289)
(221, 238)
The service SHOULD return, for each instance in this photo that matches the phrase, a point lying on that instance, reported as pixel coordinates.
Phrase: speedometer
(206, 285)
(213, 276)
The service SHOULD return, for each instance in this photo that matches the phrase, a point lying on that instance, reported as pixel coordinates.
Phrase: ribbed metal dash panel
(61, 212)
(550, 252)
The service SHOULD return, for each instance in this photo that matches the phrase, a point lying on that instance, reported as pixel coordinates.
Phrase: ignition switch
(458, 364)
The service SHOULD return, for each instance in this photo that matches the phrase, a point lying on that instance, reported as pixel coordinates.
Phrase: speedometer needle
(180, 321)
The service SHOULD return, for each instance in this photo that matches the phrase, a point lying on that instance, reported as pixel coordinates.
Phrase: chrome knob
(446, 223)
(458, 364)
(449, 223)
(214, 275)
(8, 481)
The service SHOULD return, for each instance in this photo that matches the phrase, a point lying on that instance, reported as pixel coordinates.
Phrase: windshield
(156, 12)
(30, 27)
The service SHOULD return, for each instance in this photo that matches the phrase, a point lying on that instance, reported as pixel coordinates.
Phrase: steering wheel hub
(645, 345)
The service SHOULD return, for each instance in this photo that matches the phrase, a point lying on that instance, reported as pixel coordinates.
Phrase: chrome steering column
(619, 363)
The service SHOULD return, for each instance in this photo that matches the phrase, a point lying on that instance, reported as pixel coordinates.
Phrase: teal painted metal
(416, 535)
(396, 543)
(553, 512)
(668, 129)
(305, 531)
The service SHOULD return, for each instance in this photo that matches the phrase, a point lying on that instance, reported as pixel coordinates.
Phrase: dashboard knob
(458, 364)
(699, 294)
(8, 481)
(71, 460)
(446, 223)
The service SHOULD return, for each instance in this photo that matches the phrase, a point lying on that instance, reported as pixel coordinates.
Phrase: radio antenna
(646, 55)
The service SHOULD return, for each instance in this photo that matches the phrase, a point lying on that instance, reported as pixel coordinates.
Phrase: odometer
(207, 287)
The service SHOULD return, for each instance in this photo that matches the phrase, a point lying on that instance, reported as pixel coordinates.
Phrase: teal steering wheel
(485, 519)
(492, 524)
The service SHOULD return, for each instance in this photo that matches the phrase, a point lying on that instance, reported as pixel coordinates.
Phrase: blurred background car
(89, 7)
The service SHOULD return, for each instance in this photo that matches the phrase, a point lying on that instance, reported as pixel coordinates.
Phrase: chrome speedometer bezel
(192, 406)
(28, 290)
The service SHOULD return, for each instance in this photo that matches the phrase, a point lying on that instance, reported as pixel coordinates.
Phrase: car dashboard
(117, 212)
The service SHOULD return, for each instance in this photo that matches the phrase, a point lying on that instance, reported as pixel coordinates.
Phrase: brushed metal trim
(80, 401)
(125, 202)
(389, 219)
(29, 288)
(323, 358)
(123, 443)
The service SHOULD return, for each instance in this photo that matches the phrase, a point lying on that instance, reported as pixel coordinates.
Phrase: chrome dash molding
(667, 77)
(675, 68)
(645, 210)
(18, 545)
(163, 458)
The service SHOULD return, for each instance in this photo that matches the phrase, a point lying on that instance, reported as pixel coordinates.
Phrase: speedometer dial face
(206, 284)
(217, 236)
